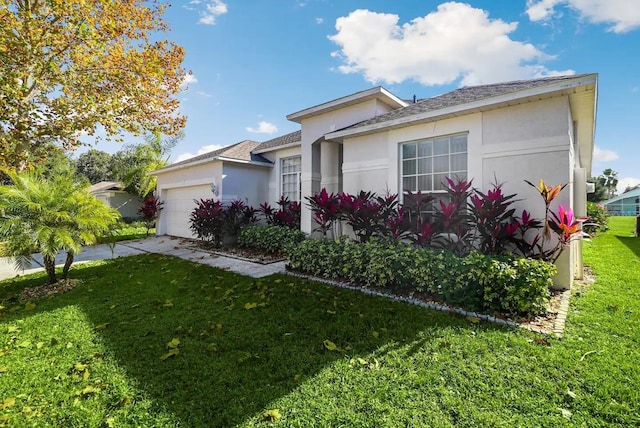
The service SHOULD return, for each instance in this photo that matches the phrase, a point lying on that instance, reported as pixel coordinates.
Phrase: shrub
(271, 239)
(597, 218)
(149, 211)
(508, 285)
(287, 215)
(207, 221)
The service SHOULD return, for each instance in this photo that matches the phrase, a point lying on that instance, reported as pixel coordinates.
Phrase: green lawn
(127, 232)
(93, 356)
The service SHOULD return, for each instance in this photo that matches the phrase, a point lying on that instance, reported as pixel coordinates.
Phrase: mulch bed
(34, 293)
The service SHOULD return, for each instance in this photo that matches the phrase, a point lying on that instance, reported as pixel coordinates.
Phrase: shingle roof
(290, 138)
(105, 185)
(240, 151)
(461, 96)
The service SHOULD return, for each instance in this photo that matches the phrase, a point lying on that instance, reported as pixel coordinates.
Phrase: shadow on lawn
(243, 342)
(632, 242)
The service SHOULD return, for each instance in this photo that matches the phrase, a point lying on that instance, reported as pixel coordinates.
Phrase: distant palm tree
(50, 216)
(609, 179)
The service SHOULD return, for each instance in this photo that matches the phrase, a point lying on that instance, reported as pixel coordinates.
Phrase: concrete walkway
(154, 244)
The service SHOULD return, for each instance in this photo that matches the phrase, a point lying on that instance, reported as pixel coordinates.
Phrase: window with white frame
(425, 164)
(291, 186)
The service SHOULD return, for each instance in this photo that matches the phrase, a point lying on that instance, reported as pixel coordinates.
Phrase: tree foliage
(50, 216)
(71, 67)
(95, 165)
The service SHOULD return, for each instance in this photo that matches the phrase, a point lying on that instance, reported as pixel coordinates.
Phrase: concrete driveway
(167, 245)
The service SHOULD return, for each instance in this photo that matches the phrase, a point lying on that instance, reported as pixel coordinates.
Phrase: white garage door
(178, 205)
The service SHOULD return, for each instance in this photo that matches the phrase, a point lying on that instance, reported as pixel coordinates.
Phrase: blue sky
(254, 62)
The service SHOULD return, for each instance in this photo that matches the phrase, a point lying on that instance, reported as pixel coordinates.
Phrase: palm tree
(609, 179)
(49, 216)
(151, 155)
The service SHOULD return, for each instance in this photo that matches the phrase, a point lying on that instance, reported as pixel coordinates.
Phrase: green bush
(597, 218)
(491, 284)
(271, 239)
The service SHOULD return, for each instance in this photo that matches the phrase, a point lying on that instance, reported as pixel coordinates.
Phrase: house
(626, 204)
(113, 194)
(374, 140)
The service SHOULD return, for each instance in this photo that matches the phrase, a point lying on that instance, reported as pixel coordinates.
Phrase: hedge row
(490, 284)
(270, 239)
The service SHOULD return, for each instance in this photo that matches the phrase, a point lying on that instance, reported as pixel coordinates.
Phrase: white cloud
(212, 10)
(627, 181)
(204, 94)
(600, 155)
(456, 41)
(319, 20)
(202, 150)
(264, 127)
(188, 79)
(622, 15)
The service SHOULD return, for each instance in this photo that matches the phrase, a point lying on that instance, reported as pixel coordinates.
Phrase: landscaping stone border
(557, 328)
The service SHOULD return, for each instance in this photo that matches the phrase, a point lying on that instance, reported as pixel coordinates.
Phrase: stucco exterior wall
(316, 127)
(513, 144)
(246, 182)
(126, 203)
(178, 189)
(274, 184)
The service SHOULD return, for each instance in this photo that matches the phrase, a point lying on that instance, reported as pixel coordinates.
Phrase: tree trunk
(67, 265)
(50, 268)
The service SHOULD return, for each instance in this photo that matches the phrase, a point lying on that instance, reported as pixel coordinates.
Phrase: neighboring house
(113, 194)
(625, 204)
(374, 140)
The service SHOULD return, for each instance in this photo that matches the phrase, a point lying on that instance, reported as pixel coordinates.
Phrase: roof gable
(378, 93)
(104, 186)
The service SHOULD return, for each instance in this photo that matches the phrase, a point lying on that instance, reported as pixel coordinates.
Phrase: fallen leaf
(89, 390)
(3, 369)
(272, 415)
(85, 375)
(24, 344)
(566, 413)
(173, 344)
(29, 306)
(331, 346)
(12, 329)
(474, 320)
(80, 367)
(250, 305)
(124, 401)
(101, 326)
(297, 377)
(8, 402)
(39, 345)
(375, 334)
(171, 353)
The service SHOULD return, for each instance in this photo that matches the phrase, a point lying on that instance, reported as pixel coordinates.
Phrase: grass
(92, 356)
(127, 232)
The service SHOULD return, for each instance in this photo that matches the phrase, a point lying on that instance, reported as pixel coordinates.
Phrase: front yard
(157, 341)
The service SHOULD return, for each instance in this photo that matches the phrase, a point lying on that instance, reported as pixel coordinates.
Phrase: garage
(178, 204)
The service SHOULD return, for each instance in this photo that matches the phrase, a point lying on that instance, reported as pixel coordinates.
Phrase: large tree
(73, 67)
(95, 165)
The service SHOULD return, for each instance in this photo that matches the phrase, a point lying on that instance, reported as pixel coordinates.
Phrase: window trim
(401, 159)
(298, 173)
